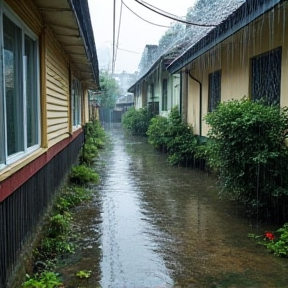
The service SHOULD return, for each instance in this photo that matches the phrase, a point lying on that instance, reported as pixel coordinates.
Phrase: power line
(119, 26)
(174, 18)
(167, 13)
(114, 27)
(129, 51)
(143, 18)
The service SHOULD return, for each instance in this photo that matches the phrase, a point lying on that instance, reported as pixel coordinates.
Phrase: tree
(110, 90)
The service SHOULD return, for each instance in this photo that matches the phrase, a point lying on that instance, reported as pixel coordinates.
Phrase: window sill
(12, 168)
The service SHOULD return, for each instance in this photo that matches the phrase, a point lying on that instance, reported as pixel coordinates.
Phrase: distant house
(156, 88)
(123, 103)
(48, 62)
(245, 55)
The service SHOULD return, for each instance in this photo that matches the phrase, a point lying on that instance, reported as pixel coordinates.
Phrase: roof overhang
(70, 22)
(245, 14)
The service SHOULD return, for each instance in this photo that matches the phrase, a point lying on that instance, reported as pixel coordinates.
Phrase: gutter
(82, 15)
(200, 102)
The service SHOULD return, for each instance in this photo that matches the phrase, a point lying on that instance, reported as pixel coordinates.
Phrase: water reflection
(165, 227)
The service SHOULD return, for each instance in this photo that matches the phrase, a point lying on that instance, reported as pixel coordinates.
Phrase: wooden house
(48, 62)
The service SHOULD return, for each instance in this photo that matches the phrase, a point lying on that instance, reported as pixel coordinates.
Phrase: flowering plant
(270, 236)
(279, 246)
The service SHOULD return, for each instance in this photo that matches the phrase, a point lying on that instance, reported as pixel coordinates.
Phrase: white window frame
(79, 107)
(4, 9)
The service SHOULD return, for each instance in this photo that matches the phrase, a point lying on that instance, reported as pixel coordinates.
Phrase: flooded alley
(164, 226)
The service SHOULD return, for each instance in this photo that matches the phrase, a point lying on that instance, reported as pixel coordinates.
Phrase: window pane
(31, 91)
(164, 95)
(214, 90)
(13, 86)
(266, 76)
(76, 102)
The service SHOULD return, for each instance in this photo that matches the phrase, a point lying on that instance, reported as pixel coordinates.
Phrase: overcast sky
(134, 32)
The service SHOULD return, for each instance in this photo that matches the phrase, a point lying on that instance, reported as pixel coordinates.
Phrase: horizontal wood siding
(57, 88)
(28, 12)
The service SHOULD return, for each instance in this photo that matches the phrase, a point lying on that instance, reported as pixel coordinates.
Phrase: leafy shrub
(89, 153)
(174, 137)
(181, 148)
(82, 175)
(46, 279)
(247, 150)
(95, 137)
(280, 246)
(137, 121)
(71, 197)
(95, 132)
(59, 224)
(276, 243)
(158, 132)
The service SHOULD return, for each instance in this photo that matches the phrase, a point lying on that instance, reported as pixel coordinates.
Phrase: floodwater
(160, 226)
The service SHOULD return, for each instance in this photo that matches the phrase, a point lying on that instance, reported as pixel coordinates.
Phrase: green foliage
(95, 138)
(46, 279)
(83, 274)
(158, 134)
(247, 150)
(173, 136)
(110, 90)
(280, 246)
(57, 235)
(83, 175)
(276, 244)
(71, 197)
(137, 121)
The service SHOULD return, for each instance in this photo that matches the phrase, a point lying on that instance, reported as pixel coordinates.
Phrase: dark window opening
(214, 94)
(266, 77)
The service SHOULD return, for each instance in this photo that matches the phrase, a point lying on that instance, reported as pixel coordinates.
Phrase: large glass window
(13, 86)
(19, 97)
(214, 96)
(76, 102)
(266, 77)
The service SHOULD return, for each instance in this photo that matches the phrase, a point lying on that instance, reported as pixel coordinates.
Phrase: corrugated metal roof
(245, 14)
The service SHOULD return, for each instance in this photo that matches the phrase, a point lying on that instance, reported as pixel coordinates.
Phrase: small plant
(59, 224)
(83, 274)
(276, 243)
(82, 175)
(46, 279)
(71, 197)
(279, 246)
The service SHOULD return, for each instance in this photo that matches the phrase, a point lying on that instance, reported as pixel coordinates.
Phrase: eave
(71, 25)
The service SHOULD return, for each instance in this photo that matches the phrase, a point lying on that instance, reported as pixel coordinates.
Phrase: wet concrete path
(164, 226)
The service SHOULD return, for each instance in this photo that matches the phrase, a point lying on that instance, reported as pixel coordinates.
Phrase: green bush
(95, 138)
(46, 279)
(83, 175)
(280, 246)
(95, 133)
(137, 121)
(247, 150)
(158, 132)
(174, 137)
(71, 197)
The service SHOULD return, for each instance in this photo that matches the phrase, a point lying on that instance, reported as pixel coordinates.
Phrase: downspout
(200, 102)
(181, 88)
